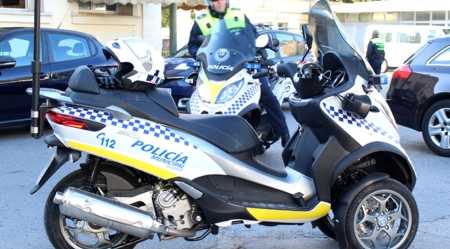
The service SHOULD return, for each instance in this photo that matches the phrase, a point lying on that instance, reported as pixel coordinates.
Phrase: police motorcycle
(229, 65)
(151, 171)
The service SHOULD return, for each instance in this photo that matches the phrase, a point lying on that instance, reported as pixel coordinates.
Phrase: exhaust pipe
(112, 214)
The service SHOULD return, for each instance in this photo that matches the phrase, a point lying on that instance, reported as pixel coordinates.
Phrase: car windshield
(182, 53)
(228, 47)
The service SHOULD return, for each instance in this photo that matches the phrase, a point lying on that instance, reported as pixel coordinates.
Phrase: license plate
(45, 169)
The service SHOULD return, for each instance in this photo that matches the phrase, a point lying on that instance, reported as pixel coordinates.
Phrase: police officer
(375, 52)
(219, 9)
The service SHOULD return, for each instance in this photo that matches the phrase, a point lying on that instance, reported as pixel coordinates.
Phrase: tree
(165, 18)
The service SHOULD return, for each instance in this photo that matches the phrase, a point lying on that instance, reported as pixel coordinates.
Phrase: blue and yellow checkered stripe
(349, 118)
(135, 125)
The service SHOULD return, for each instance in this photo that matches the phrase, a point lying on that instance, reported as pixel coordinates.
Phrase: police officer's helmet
(211, 7)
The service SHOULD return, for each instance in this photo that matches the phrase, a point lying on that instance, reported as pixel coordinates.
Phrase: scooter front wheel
(67, 233)
(382, 215)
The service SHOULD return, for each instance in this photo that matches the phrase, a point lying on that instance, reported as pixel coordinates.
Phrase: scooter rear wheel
(67, 233)
(382, 215)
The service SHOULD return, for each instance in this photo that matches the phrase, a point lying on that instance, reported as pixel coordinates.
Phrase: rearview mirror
(262, 41)
(307, 35)
(275, 42)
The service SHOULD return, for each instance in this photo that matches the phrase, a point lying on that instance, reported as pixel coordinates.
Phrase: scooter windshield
(330, 35)
(229, 46)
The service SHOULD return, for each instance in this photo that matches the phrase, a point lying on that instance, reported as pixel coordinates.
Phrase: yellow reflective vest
(234, 18)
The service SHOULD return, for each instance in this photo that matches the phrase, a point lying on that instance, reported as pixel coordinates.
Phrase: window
(438, 15)
(97, 7)
(391, 17)
(20, 47)
(386, 36)
(409, 37)
(69, 47)
(407, 16)
(16, 4)
(301, 44)
(288, 46)
(341, 16)
(352, 17)
(378, 17)
(365, 17)
(442, 59)
(270, 53)
(422, 16)
(283, 26)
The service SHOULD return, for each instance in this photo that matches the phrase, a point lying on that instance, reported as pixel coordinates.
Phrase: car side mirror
(7, 62)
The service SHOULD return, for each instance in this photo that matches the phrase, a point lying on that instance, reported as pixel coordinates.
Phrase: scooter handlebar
(261, 74)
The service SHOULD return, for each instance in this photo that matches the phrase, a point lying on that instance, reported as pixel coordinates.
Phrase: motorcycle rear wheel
(382, 215)
(67, 233)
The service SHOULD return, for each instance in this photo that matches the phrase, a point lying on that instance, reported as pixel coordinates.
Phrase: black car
(419, 94)
(61, 52)
(180, 78)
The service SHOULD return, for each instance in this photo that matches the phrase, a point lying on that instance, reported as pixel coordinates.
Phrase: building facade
(105, 22)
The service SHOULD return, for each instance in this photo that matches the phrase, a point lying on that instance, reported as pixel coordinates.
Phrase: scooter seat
(228, 132)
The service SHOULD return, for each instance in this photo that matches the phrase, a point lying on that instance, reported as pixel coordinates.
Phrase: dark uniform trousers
(273, 108)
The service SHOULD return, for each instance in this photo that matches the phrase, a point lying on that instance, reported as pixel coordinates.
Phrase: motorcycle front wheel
(382, 215)
(68, 233)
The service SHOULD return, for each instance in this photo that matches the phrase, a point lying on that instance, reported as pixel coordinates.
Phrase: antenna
(63, 18)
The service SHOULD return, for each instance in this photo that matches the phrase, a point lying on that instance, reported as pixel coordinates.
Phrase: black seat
(228, 132)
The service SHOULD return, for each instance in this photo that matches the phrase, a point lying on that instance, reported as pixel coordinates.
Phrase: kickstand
(200, 237)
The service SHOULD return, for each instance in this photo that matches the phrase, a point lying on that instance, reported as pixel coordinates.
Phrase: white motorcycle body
(150, 170)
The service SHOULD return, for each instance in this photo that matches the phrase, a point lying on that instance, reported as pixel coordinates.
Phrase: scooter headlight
(229, 91)
(203, 91)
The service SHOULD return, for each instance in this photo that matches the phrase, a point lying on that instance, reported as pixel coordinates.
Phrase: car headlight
(203, 91)
(229, 91)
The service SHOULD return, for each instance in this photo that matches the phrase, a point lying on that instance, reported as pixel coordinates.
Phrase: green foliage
(165, 17)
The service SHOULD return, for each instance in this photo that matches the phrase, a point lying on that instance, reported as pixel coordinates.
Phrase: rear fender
(62, 156)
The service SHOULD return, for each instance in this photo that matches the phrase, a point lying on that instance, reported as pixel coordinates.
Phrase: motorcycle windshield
(229, 46)
(330, 35)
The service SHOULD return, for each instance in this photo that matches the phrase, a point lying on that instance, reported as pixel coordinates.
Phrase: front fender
(405, 172)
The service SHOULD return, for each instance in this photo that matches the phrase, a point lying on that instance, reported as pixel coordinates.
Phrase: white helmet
(209, 4)
(141, 66)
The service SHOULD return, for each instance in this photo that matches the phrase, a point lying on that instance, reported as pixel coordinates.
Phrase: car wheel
(436, 128)
(384, 66)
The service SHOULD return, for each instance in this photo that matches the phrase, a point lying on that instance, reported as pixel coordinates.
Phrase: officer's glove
(106, 80)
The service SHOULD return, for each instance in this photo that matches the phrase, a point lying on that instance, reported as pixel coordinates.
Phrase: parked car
(179, 79)
(419, 94)
(177, 75)
(61, 52)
